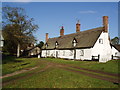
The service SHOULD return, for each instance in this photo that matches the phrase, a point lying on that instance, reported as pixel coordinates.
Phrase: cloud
(87, 12)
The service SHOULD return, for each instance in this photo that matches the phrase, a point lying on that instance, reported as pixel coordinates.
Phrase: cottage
(34, 51)
(115, 51)
(31, 51)
(82, 45)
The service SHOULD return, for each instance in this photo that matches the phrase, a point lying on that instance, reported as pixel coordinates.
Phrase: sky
(59, 0)
(50, 16)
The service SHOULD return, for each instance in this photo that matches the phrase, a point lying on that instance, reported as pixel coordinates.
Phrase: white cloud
(87, 12)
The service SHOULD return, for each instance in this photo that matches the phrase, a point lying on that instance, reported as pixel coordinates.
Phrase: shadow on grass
(9, 58)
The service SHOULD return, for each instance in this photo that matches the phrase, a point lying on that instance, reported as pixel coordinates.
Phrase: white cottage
(115, 51)
(93, 44)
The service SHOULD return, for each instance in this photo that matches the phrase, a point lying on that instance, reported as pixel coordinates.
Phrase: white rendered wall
(86, 54)
(43, 54)
(104, 50)
(68, 54)
(115, 52)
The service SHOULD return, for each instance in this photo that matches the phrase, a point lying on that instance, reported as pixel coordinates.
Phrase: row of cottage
(82, 45)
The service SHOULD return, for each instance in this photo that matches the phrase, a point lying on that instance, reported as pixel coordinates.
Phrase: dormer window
(101, 41)
(56, 44)
(74, 42)
(46, 45)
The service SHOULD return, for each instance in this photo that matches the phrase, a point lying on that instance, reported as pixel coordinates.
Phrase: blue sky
(49, 16)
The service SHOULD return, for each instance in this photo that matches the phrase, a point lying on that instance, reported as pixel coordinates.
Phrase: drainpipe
(74, 53)
(46, 52)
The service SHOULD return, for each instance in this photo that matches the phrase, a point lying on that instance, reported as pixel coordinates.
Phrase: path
(18, 72)
(28, 75)
(91, 73)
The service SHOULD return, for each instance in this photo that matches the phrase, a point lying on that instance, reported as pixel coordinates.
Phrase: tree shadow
(9, 58)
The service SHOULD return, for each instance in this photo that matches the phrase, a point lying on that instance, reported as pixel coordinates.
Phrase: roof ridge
(76, 33)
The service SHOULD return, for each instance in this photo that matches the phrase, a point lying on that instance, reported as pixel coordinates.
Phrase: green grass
(95, 73)
(110, 66)
(55, 77)
(12, 64)
(41, 66)
(58, 78)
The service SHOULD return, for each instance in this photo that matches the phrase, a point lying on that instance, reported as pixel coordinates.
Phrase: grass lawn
(110, 66)
(58, 78)
(55, 77)
(12, 64)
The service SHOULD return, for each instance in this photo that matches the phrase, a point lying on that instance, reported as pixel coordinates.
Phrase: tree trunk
(18, 50)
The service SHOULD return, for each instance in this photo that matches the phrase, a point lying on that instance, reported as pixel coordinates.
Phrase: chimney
(46, 37)
(62, 31)
(105, 23)
(78, 26)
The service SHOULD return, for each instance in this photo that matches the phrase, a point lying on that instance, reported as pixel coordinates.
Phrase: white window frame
(101, 41)
(56, 44)
(63, 53)
(74, 42)
(48, 52)
(46, 45)
(71, 53)
(81, 52)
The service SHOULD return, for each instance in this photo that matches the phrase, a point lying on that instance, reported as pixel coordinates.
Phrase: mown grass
(110, 66)
(94, 73)
(59, 78)
(41, 66)
(12, 64)
(54, 77)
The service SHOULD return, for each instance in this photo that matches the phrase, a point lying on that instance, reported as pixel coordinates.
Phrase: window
(74, 42)
(56, 44)
(116, 54)
(81, 52)
(63, 53)
(71, 53)
(48, 53)
(101, 41)
(46, 45)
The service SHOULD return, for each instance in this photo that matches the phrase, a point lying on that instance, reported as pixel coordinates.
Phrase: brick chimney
(78, 26)
(62, 31)
(46, 37)
(105, 23)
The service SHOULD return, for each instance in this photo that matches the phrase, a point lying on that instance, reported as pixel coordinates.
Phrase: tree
(115, 40)
(18, 28)
(41, 43)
